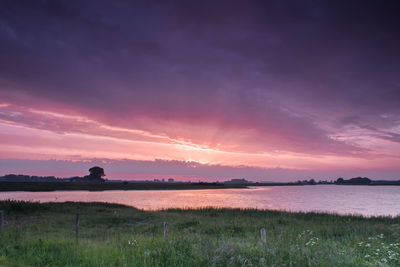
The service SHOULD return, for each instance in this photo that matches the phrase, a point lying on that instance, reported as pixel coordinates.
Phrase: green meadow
(114, 235)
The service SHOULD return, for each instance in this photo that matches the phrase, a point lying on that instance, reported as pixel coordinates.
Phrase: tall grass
(114, 235)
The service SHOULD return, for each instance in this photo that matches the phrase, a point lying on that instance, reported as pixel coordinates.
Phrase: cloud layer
(276, 80)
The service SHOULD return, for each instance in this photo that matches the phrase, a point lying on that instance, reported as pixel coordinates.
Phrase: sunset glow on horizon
(182, 92)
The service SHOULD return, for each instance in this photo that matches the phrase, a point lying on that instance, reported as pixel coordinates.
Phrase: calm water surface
(364, 200)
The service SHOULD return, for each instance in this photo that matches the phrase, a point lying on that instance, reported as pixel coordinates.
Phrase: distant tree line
(95, 176)
(365, 181)
(312, 182)
(28, 178)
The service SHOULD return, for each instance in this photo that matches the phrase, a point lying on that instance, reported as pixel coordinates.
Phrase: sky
(200, 90)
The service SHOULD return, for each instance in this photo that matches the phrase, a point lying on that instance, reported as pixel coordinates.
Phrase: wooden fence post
(165, 229)
(77, 227)
(263, 235)
(1, 219)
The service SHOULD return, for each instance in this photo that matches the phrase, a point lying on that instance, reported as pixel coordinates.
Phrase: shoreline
(61, 186)
(196, 209)
(67, 186)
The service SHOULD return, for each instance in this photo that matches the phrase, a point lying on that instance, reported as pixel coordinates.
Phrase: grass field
(113, 235)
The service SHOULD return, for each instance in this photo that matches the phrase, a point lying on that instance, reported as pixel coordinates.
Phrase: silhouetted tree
(96, 172)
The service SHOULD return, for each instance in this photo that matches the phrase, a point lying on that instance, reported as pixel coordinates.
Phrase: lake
(362, 200)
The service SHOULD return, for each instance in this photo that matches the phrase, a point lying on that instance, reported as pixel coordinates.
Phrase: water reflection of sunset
(336, 199)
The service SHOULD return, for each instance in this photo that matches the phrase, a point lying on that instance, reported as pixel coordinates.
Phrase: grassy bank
(114, 235)
(67, 186)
